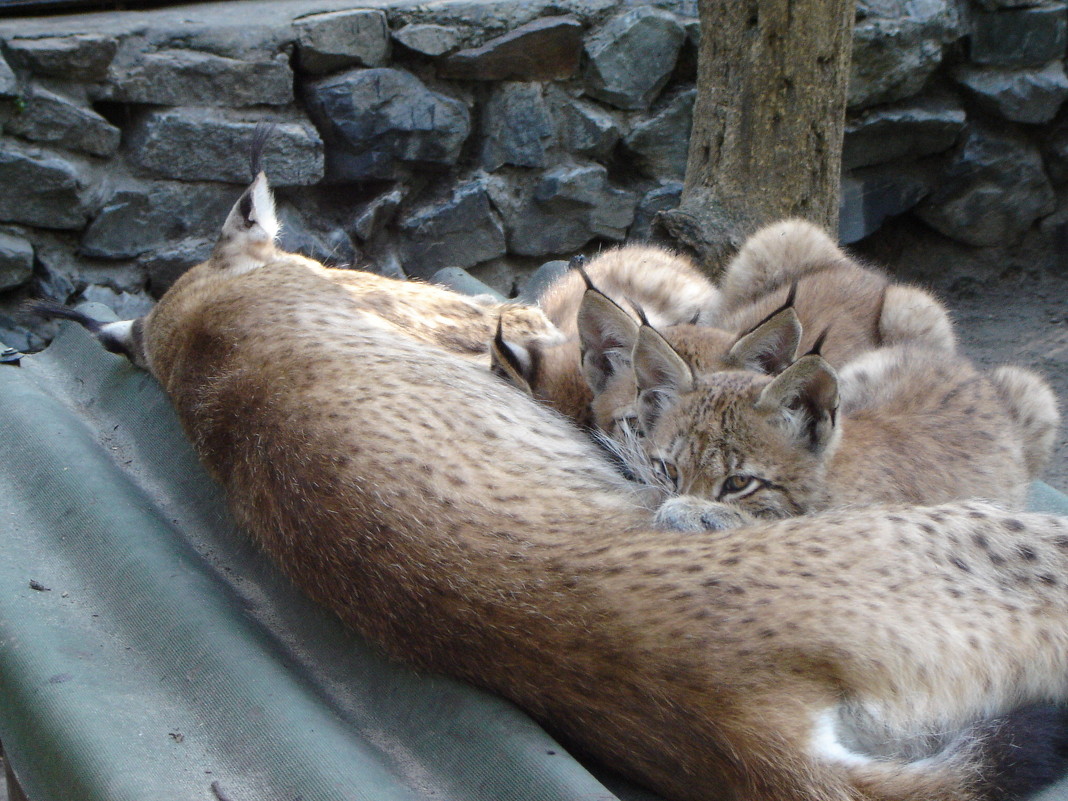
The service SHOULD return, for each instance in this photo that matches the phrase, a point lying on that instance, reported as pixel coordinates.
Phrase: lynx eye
(630, 424)
(739, 484)
(669, 471)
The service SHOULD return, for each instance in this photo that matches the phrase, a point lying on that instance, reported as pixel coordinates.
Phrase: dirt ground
(1008, 308)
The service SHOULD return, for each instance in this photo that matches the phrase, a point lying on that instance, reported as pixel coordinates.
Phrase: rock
(377, 214)
(208, 144)
(458, 232)
(661, 144)
(165, 266)
(896, 47)
(333, 40)
(563, 210)
(1020, 37)
(375, 120)
(1055, 152)
(428, 39)
(546, 49)
(138, 218)
(332, 248)
(992, 192)
(44, 116)
(656, 200)
(459, 280)
(191, 78)
(644, 36)
(85, 56)
(1019, 94)
(585, 128)
(9, 83)
(16, 261)
(42, 188)
(540, 279)
(872, 195)
(126, 305)
(516, 126)
(911, 130)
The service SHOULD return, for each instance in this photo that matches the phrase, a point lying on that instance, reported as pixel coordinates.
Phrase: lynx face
(718, 443)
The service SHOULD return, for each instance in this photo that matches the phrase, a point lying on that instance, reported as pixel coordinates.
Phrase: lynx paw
(689, 513)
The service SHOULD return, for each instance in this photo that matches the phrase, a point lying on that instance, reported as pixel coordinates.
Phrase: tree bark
(768, 122)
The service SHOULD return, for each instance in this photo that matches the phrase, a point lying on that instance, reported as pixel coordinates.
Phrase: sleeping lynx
(899, 424)
(853, 656)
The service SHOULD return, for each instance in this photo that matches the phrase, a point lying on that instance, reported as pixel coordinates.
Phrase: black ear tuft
(640, 312)
(260, 135)
(585, 275)
(817, 346)
(505, 351)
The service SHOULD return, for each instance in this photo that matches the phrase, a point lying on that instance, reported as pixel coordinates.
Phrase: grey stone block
(139, 218)
(907, 130)
(1019, 94)
(459, 280)
(428, 39)
(654, 201)
(45, 116)
(208, 144)
(377, 214)
(126, 305)
(545, 49)
(563, 210)
(459, 231)
(336, 39)
(896, 48)
(993, 191)
(85, 56)
(661, 144)
(9, 84)
(16, 261)
(375, 120)
(584, 128)
(1020, 37)
(191, 78)
(872, 195)
(631, 57)
(541, 279)
(516, 126)
(332, 248)
(42, 188)
(166, 265)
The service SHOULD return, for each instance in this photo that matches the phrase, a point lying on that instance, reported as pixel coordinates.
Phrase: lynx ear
(247, 237)
(511, 362)
(771, 346)
(806, 395)
(661, 376)
(606, 338)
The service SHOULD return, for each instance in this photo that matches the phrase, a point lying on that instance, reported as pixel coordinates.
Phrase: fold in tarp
(148, 651)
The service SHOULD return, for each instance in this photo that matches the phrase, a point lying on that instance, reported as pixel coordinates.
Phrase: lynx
(900, 424)
(857, 307)
(850, 656)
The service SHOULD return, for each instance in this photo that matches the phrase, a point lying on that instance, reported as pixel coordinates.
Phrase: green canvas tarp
(147, 651)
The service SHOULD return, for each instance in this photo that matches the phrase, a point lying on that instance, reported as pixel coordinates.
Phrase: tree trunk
(768, 122)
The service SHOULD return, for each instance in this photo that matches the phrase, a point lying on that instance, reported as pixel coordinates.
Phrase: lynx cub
(853, 656)
(900, 424)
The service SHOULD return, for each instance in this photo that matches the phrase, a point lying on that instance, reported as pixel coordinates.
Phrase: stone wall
(491, 136)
